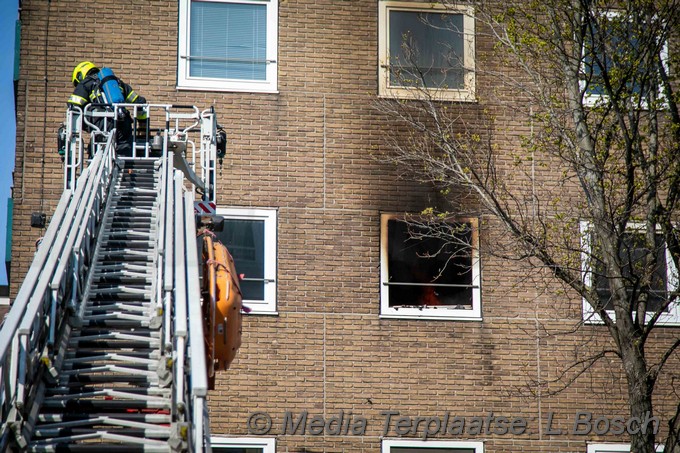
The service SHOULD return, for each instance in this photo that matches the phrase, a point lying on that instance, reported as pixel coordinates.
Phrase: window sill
(260, 312)
(437, 95)
(429, 317)
(601, 100)
(591, 319)
(225, 89)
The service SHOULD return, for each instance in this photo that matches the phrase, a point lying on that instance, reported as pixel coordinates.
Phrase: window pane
(426, 48)
(614, 50)
(228, 40)
(418, 266)
(245, 241)
(430, 450)
(632, 254)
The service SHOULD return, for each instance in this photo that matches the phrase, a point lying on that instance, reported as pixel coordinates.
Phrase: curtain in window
(228, 40)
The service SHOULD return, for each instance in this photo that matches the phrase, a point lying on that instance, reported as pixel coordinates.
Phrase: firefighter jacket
(88, 91)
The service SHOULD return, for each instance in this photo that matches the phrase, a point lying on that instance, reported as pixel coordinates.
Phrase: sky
(8, 17)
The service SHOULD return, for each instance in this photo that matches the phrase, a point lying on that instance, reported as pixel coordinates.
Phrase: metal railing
(169, 128)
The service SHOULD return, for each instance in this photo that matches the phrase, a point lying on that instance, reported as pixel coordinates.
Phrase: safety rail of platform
(181, 128)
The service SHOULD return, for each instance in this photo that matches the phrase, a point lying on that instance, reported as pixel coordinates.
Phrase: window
(420, 446)
(242, 445)
(631, 253)
(4, 295)
(228, 45)
(429, 277)
(250, 236)
(613, 49)
(426, 45)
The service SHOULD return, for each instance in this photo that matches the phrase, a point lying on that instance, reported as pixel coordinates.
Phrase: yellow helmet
(81, 71)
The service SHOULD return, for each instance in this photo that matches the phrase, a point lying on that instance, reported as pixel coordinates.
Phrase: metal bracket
(164, 372)
(179, 435)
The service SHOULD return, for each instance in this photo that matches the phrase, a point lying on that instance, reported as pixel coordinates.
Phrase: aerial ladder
(110, 344)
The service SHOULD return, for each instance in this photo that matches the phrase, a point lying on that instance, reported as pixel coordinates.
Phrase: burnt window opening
(427, 270)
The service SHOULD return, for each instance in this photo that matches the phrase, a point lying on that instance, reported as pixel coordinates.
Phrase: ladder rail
(34, 317)
(8, 339)
(168, 271)
(180, 305)
(159, 307)
(42, 319)
(67, 236)
(84, 240)
(197, 357)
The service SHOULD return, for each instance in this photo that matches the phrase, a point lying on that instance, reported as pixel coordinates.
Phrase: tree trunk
(642, 433)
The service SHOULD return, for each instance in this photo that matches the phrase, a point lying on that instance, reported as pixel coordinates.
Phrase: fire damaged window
(429, 271)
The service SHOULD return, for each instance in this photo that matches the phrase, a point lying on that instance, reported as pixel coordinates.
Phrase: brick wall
(308, 152)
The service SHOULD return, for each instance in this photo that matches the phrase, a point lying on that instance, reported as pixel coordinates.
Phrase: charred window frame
(425, 275)
(632, 250)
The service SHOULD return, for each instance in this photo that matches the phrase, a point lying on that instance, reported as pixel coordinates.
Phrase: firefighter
(89, 89)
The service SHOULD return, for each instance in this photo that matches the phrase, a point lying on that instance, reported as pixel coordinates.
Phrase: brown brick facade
(309, 152)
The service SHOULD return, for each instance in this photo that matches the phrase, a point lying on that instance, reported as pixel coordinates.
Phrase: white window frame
(185, 81)
(671, 318)
(269, 216)
(385, 90)
(592, 100)
(611, 448)
(387, 444)
(268, 444)
(430, 312)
